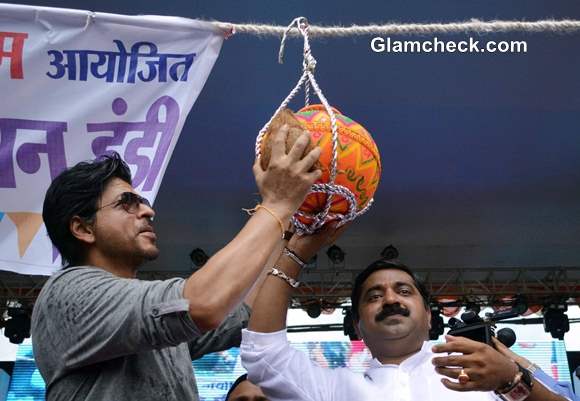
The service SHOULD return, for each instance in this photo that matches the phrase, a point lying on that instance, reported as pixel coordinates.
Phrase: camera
(475, 328)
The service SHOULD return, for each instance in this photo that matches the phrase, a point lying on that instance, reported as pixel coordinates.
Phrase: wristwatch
(533, 368)
(519, 388)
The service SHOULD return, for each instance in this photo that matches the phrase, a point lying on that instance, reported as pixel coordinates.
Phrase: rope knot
(309, 63)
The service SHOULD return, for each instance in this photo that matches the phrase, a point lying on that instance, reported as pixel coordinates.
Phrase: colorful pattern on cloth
(358, 162)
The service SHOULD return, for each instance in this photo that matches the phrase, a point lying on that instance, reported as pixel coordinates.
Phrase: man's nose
(391, 297)
(146, 211)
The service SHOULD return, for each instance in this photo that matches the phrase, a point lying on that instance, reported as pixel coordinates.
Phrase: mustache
(147, 227)
(390, 310)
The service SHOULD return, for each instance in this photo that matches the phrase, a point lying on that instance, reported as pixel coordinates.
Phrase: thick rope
(472, 26)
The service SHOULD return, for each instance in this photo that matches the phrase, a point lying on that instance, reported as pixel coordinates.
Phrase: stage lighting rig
(348, 325)
(390, 252)
(314, 309)
(335, 254)
(555, 319)
(17, 328)
(198, 257)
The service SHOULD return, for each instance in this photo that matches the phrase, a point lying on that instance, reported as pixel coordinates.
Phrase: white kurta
(286, 374)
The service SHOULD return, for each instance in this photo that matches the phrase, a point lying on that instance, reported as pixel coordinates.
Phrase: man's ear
(356, 328)
(429, 317)
(82, 230)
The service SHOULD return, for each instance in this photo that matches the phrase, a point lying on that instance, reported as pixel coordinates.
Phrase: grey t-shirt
(97, 336)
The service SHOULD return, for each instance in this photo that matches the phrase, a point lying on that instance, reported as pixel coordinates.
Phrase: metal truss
(19, 288)
(331, 287)
(485, 286)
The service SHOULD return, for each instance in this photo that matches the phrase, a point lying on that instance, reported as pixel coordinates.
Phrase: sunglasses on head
(129, 201)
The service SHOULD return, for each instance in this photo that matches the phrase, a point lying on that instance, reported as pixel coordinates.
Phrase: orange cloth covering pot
(358, 159)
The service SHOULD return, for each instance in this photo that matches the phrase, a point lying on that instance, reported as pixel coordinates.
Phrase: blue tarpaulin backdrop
(481, 152)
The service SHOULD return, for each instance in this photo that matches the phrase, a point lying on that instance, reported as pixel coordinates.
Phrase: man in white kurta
(285, 373)
(391, 313)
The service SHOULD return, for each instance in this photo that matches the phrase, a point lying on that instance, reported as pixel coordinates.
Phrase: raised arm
(223, 282)
(271, 306)
(283, 372)
(229, 333)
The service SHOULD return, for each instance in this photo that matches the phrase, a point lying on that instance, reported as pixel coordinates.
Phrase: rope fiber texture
(566, 26)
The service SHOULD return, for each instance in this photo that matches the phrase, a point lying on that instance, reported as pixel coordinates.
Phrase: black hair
(76, 192)
(238, 381)
(383, 264)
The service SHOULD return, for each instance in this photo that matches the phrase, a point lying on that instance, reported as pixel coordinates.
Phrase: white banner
(77, 84)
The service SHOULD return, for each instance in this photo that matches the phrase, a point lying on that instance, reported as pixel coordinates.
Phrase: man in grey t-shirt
(101, 334)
